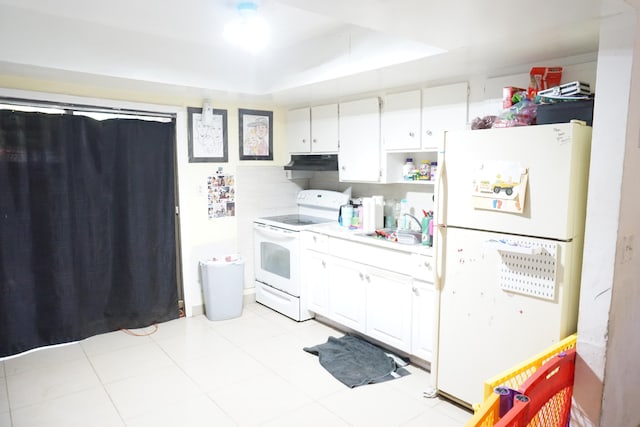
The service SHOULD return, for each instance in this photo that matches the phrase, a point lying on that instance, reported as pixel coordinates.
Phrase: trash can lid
(223, 259)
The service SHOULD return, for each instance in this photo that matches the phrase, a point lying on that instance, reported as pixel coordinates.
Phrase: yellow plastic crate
(514, 377)
(487, 414)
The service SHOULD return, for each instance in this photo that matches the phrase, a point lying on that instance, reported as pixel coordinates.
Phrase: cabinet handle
(344, 168)
(411, 134)
(324, 264)
(428, 265)
(415, 290)
(361, 276)
(315, 239)
(368, 278)
(429, 133)
(304, 140)
(314, 140)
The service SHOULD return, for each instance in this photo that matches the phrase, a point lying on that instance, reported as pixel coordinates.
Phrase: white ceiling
(319, 49)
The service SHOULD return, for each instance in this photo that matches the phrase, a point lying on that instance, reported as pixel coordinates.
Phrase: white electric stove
(277, 251)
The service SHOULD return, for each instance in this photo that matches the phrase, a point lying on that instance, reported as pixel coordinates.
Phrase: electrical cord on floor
(135, 334)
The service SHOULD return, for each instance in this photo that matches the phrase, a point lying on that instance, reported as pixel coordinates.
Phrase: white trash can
(223, 285)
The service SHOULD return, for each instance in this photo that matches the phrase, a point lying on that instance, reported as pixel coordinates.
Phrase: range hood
(313, 162)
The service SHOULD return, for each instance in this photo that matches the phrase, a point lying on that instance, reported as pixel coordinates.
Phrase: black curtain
(87, 236)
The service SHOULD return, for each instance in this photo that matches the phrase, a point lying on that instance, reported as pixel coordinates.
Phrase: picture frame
(208, 142)
(256, 134)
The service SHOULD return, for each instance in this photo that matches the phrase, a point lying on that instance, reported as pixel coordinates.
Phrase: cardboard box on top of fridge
(544, 78)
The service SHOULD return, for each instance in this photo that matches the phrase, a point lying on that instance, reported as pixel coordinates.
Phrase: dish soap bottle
(426, 226)
(407, 169)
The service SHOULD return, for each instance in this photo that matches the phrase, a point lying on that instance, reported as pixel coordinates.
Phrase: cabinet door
(316, 279)
(401, 121)
(389, 308)
(299, 130)
(423, 322)
(359, 151)
(444, 108)
(347, 294)
(324, 129)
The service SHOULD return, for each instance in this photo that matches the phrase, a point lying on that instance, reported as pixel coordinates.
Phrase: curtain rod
(82, 107)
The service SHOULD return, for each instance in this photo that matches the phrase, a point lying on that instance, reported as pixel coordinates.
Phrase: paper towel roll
(378, 212)
(368, 207)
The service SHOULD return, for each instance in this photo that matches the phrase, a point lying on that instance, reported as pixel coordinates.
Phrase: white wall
(202, 237)
(621, 391)
(607, 336)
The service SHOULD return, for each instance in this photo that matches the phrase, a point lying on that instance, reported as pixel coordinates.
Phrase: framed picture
(207, 138)
(256, 134)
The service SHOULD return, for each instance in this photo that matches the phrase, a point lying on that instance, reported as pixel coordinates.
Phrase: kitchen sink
(406, 237)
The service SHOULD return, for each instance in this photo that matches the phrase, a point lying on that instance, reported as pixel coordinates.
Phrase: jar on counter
(425, 170)
(434, 170)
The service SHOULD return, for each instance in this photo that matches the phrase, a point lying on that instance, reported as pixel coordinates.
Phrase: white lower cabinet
(389, 308)
(382, 293)
(316, 277)
(422, 325)
(347, 294)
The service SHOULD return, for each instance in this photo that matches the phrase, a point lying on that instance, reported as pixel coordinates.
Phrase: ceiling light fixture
(250, 31)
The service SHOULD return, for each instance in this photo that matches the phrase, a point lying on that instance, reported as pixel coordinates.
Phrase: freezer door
(500, 305)
(478, 165)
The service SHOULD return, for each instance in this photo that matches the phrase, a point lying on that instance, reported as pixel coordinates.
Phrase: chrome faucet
(415, 219)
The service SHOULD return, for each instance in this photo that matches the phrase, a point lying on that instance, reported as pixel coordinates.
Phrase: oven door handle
(276, 233)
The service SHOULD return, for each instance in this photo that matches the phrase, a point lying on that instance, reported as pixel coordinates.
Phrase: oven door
(277, 258)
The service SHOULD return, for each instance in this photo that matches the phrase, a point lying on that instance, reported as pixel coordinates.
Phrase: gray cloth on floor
(355, 362)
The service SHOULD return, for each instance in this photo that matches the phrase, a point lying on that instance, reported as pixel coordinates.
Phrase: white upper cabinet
(444, 108)
(359, 151)
(299, 130)
(313, 130)
(401, 121)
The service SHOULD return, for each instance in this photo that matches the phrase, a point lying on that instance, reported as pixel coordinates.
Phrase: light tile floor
(248, 371)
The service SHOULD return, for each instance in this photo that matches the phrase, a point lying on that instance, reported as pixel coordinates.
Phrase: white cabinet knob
(324, 264)
(304, 140)
(429, 133)
(361, 276)
(411, 134)
(314, 140)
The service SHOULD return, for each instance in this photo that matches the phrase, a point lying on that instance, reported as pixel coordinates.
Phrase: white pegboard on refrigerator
(530, 274)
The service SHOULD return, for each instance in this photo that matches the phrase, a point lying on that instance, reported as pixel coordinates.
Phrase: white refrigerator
(510, 215)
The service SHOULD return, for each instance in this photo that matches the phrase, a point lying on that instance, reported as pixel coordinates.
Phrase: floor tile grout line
(6, 389)
(104, 388)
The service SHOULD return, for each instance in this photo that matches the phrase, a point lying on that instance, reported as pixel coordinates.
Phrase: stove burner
(297, 220)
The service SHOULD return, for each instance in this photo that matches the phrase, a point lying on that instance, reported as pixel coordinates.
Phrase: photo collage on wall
(221, 193)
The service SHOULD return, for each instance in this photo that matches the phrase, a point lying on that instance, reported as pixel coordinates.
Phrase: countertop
(335, 230)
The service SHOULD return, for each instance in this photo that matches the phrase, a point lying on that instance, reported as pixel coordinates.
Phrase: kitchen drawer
(421, 267)
(388, 259)
(314, 241)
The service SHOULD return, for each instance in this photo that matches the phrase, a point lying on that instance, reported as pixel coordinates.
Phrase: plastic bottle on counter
(396, 214)
(431, 225)
(389, 214)
(403, 220)
(408, 169)
(426, 225)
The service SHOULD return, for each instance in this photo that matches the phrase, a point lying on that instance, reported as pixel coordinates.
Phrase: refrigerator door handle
(440, 194)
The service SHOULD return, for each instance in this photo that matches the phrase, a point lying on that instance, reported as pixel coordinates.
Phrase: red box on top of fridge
(544, 78)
